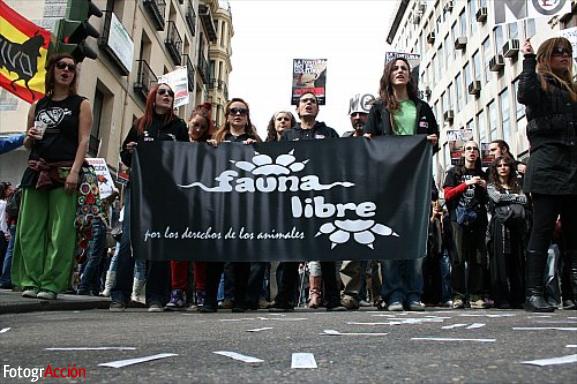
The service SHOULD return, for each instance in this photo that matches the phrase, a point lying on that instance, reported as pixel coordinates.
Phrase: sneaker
(207, 309)
(458, 303)
(447, 304)
(569, 304)
(263, 303)
(364, 303)
(177, 300)
(479, 304)
(45, 295)
(226, 304)
(416, 306)
(395, 306)
(349, 302)
(155, 307)
(30, 293)
(115, 306)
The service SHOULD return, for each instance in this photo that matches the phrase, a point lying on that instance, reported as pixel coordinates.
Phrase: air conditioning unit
(431, 38)
(511, 48)
(428, 93)
(461, 43)
(475, 88)
(416, 19)
(497, 63)
(422, 7)
(449, 116)
(449, 6)
(482, 15)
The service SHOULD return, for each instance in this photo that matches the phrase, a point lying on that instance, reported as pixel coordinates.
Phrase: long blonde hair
(249, 129)
(544, 54)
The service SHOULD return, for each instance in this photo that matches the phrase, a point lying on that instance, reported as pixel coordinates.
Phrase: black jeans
(546, 208)
(469, 247)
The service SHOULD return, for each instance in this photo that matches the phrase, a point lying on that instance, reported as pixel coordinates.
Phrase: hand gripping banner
(332, 199)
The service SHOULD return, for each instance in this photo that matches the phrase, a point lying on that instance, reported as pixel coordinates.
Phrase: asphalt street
(396, 357)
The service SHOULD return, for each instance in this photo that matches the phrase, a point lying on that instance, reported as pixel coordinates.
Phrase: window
(467, 74)
(472, 5)
(463, 23)
(454, 33)
(459, 92)
(492, 120)
(442, 58)
(446, 155)
(529, 28)
(448, 47)
(482, 127)
(434, 71)
(471, 126)
(519, 108)
(498, 36)
(450, 94)
(437, 69)
(505, 115)
(487, 57)
(438, 114)
(445, 100)
(513, 30)
(8, 102)
(476, 66)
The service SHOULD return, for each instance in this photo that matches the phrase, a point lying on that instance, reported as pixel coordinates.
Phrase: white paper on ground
(453, 339)
(476, 325)
(90, 349)
(571, 346)
(126, 363)
(259, 329)
(539, 316)
(452, 326)
(553, 361)
(283, 318)
(487, 315)
(4, 330)
(240, 357)
(556, 321)
(238, 319)
(303, 360)
(544, 328)
(332, 332)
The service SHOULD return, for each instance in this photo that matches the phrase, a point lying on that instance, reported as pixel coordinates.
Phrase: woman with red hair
(158, 123)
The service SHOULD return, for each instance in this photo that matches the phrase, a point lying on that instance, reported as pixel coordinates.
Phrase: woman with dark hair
(199, 128)
(465, 192)
(159, 122)
(237, 129)
(399, 112)
(507, 232)
(548, 90)
(278, 123)
(58, 131)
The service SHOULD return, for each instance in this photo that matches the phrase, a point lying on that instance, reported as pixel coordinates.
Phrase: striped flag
(23, 52)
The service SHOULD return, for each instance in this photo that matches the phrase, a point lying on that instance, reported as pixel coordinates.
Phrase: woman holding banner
(399, 111)
(549, 92)
(237, 129)
(158, 123)
(58, 130)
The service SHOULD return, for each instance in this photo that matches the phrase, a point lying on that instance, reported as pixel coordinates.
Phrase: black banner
(290, 201)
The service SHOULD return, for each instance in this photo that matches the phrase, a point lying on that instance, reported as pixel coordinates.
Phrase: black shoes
(536, 303)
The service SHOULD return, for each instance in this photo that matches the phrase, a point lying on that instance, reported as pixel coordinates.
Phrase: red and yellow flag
(23, 51)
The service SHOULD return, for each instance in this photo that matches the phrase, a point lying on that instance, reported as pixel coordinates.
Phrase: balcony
(190, 17)
(207, 21)
(155, 9)
(189, 70)
(203, 69)
(145, 77)
(173, 42)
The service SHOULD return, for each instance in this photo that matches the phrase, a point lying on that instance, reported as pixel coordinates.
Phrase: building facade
(469, 66)
(139, 41)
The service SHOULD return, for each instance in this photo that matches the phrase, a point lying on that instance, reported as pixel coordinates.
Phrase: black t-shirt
(60, 140)
(230, 138)
(474, 196)
(318, 131)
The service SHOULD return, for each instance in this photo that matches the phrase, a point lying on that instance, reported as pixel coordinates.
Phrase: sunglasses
(471, 149)
(239, 111)
(163, 91)
(61, 65)
(560, 51)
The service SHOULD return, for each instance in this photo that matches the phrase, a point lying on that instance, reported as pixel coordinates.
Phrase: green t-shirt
(405, 118)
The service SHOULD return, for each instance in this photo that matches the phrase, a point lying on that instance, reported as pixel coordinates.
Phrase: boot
(315, 284)
(109, 283)
(138, 291)
(535, 270)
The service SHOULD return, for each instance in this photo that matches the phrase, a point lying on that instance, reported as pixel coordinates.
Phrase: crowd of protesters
(497, 237)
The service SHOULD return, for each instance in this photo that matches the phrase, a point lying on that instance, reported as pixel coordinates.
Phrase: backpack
(13, 203)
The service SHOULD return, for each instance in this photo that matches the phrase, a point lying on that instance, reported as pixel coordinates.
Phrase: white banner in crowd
(508, 11)
(178, 81)
(571, 35)
(105, 183)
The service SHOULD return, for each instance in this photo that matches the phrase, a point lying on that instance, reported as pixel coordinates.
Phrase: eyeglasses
(239, 111)
(561, 51)
(163, 91)
(312, 100)
(502, 165)
(61, 65)
(471, 149)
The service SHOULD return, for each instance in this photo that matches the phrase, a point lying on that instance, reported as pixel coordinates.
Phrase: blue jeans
(90, 282)
(402, 280)
(446, 289)
(139, 265)
(7, 265)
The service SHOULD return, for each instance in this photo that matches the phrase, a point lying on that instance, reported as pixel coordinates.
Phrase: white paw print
(284, 164)
(362, 230)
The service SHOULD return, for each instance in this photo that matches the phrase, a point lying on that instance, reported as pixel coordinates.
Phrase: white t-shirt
(3, 223)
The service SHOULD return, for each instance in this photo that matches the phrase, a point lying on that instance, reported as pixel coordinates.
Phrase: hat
(361, 103)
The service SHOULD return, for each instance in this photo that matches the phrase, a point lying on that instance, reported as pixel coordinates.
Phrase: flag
(23, 52)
